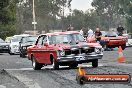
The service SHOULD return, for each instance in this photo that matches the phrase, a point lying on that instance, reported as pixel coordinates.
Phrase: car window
(44, 39)
(40, 40)
(65, 38)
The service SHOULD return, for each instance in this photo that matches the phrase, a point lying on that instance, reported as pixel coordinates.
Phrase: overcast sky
(81, 4)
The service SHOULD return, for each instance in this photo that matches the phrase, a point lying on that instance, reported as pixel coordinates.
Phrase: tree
(47, 12)
(7, 18)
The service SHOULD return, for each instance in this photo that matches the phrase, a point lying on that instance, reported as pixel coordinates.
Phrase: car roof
(60, 33)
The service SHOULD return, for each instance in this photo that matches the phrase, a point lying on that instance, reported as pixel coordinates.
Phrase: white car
(129, 42)
(14, 44)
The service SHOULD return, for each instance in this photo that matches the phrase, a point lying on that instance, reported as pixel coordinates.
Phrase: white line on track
(50, 67)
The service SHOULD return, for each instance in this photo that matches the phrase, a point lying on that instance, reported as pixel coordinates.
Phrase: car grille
(79, 51)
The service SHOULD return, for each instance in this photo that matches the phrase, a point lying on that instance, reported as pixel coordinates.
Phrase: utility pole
(63, 18)
(34, 19)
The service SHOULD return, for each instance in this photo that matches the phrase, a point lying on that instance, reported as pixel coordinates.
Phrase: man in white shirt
(81, 32)
(90, 33)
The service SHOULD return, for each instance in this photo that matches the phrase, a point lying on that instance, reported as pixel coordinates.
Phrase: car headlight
(6, 46)
(98, 50)
(24, 47)
(61, 53)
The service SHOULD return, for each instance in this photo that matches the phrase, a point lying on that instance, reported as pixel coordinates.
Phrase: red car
(110, 39)
(65, 49)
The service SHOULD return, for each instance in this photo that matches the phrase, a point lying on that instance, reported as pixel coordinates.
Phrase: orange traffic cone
(81, 71)
(121, 58)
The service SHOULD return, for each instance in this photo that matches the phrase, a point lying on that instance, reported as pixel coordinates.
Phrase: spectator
(70, 28)
(120, 30)
(90, 33)
(98, 34)
(81, 31)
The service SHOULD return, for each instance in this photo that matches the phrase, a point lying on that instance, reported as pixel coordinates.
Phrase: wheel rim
(34, 63)
(53, 64)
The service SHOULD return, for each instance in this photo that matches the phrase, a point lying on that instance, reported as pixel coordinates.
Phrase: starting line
(50, 67)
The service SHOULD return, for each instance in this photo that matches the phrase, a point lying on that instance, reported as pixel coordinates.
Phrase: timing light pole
(34, 19)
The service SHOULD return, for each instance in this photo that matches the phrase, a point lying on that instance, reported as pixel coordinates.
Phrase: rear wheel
(55, 65)
(36, 65)
(22, 55)
(95, 63)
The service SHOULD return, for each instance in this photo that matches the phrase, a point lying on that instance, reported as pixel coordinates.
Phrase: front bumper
(79, 58)
(4, 49)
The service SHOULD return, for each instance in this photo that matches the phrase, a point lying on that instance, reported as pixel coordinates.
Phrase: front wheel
(123, 47)
(36, 65)
(10, 52)
(95, 63)
(55, 65)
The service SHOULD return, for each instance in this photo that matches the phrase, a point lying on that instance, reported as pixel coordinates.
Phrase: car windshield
(16, 39)
(112, 34)
(66, 38)
(109, 33)
(2, 41)
(30, 39)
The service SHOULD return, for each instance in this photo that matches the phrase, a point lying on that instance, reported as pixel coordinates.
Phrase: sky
(80, 5)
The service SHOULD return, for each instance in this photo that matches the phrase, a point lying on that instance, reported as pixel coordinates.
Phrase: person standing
(81, 31)
(90, 33)
(70, 28)
(98, 34)
(120, 30)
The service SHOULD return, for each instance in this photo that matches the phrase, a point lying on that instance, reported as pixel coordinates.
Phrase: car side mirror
(45, 44)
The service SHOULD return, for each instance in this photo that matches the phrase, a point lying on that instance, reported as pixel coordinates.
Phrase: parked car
(24, 43)
(14, 44)
(129, 42)
(111, 40)
(63, 48)
(4, 47)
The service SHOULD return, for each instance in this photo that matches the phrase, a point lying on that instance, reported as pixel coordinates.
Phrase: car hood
(79, 45)
(14, 43)
(4, 44)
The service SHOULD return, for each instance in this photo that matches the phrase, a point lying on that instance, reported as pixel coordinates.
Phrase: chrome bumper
(79, 58)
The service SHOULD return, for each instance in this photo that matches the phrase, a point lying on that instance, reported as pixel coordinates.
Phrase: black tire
(36, 65)
(95, 63)
(123, 47)
(80, 80)
(22, 55)
(55, 65)
(10, 51)
(73, 65)
(105, 47)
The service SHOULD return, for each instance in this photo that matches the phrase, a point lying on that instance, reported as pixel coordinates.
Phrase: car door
(37, 50)
(46, 52)
(40, 51)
